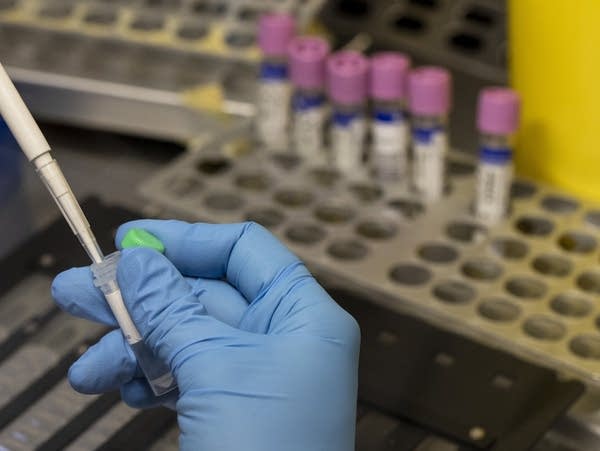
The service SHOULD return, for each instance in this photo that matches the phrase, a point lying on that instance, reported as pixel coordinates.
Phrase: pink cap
(498, 111)
(275, 31)
(347, 77)
(307, 57)
(389, 72)
(429, 91)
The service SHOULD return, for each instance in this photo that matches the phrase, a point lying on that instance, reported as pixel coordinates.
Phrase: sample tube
(307, 58)
(429, 102)
(389, 126)
(347, 78)
(497, 121)
(272, 117)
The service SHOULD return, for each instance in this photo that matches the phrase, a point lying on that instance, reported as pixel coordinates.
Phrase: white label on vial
(493, 191)
(390, 141)
(272, 112)
(429, 165)
(347, 144)
(308, 131)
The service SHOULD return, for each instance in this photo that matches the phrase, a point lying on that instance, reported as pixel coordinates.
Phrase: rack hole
(429, 4)
(559, 204)
(480, 16)
(589, 281)
(465, 232)
(534, 226)
(510, 248)
(526, 288)
(521, 189)
(286, 160)
(552, 265)
(437, 253)
(347, 250)
(593, 218)
(253, 181)
(305, 233)
(325, 176)
(376, 229)
(366, 192)
(192, 31)
(293, 197)
(576, 242)
(409, 274)
(208, 7)
(213, 165)
(7, 4)
(267, 217)
(544, 328)
(460, 168)
(454, 292)
(56, 10)
(408, 208)
(409, 23)
(586, 346)
(498, 309)
(223, 201)
(466, 42)
(354, 8)
(482, 269)
(147, 23)
(571, 304)
(240, 39)
(100, 16)
(334, 213)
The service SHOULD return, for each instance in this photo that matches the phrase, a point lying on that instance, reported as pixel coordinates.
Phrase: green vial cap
(141, 238)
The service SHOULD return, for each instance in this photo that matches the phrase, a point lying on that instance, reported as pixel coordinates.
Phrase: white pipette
(36, 148)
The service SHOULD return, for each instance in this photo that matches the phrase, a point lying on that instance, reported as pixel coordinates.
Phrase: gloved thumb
(170, 318)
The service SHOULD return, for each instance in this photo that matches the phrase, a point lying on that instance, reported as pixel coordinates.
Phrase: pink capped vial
(429, 91)
(389, 72)
(498, 111)
(429, 98)
(497, 120)
(347, 86)
(307, 58)
(347, 78)
(389, 128)
(307, 62)
(275, 31)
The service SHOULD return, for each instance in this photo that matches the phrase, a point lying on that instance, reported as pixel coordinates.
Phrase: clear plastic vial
(429, 101)
(307, 59)
(274, 91)
(389, 125)
(347, 78)
(497, 121)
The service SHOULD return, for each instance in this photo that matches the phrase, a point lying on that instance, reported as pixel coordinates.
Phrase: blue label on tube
(273, 71)
(303, 102)
(495, 155)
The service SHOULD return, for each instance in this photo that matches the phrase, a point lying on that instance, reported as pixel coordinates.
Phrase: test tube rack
(164, 69)
(530, 285)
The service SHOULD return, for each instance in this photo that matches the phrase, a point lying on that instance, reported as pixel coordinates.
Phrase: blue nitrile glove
(264, 358)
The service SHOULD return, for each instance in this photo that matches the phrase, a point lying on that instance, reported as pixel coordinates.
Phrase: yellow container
(555, 66)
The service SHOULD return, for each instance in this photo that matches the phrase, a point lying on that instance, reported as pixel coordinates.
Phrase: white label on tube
(429, 166)
(272, 112)
(308, 131)
(390, 141)
(493, 191)
(347, 144)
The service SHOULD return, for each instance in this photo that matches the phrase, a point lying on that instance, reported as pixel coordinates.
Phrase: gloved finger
(248, 255)
(74, 291)
(165, 309)
(138, 394)
(105, 366)
(221, 300)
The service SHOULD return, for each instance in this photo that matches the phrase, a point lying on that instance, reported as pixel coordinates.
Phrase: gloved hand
(264, 358)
